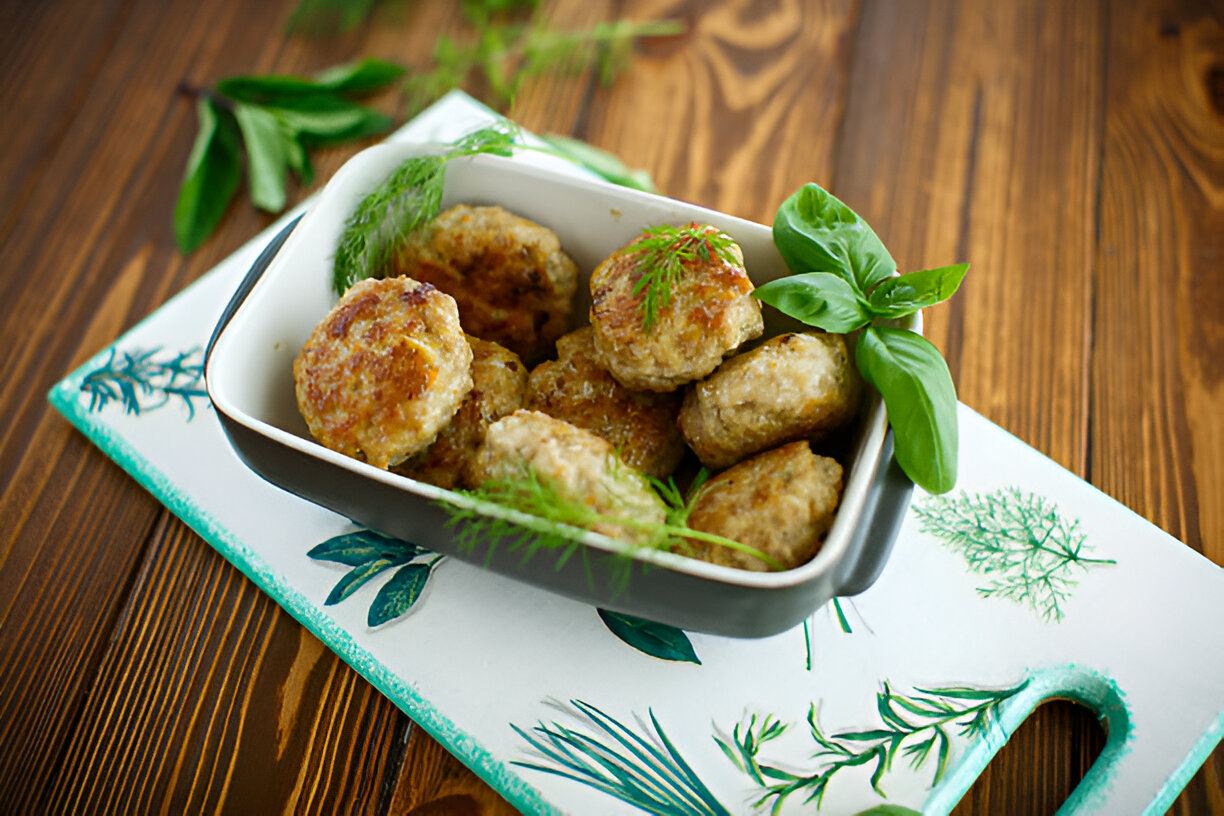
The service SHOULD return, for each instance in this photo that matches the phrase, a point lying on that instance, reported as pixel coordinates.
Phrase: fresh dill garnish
(540, 516)
(664, 253)
(405, 200)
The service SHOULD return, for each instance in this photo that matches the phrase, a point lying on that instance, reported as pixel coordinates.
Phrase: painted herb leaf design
(1028, 552)
(142, 380)
(655, 639)
(917, 727)
(370, 554)
(647, 772)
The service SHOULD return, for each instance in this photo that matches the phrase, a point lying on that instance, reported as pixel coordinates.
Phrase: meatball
(640, 425)
(707, 313)
(781, 502)
(793, 386)
(512, 282)
(384, 371)
(576, 463)
(499, 381)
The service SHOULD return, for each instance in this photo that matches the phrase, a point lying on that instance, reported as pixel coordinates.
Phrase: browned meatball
(781, 502)
(793, 386)
(513, 283)
(708, 314)
(499, 381)
(576, 463)
(384, 371)
(641, 425)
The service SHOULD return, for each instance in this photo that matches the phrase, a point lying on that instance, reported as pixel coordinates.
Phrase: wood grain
(1072, 152)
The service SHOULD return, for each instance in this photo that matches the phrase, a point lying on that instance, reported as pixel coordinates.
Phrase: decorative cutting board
(1023, 584)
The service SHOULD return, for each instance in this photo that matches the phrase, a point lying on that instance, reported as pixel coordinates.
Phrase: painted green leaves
(1019, 542)
(143, 380)
(655, 639)
(275, 121)
(845, 282)
(371, 554)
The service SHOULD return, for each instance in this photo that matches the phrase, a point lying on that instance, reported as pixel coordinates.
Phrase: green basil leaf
(267, 158)
(299, 161)
(905, 294)
(817, 233)
(214, 171)
(819, 299)
(259, 90)
(399, 594)
(655, 639)
(913, 378)
(335, 122)
(360, 76)
(600, 162)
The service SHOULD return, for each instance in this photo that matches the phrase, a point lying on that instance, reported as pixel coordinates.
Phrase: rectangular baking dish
(249, 375)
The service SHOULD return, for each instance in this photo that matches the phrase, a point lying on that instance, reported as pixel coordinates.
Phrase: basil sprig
(845, 282)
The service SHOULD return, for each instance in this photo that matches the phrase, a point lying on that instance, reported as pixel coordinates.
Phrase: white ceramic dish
(250, 381)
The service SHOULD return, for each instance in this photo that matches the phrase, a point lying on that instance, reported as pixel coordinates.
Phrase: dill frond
(664, 254)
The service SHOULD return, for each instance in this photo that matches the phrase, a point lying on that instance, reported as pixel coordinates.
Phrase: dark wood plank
(1158, 319)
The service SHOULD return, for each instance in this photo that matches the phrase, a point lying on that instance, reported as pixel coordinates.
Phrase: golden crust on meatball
(640, 425)
(793, 386)
(576, 463)
(499, 383)
(384, 371)
(781, 502)
(709, 311)
(513, 283)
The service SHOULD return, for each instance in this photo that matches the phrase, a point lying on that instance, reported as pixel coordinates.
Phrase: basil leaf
(601, 163)
(267, 158)
(817, 233)
(819, 299)
(905, 294)
(259, 90)
(359, 77)
(917, 388)
(655, 639)
(214, 171)
(298, 160)
(329, 118)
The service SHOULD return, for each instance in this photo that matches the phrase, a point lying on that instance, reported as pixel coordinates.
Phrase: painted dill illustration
(1027, 551)
(641, 769)
(917, 727)
(144, 380)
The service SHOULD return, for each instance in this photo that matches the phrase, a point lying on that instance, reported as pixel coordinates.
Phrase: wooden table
(1073, 152)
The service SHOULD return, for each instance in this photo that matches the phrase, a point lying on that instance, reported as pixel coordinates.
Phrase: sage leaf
(821, 299)
(655, 639)
(359, 76)
(600, 162)
(355, 549)
(815, 232)
(913, 378)
(214, 171)
(399, 594)
(355, 579)
(267, 158)
(903, 295)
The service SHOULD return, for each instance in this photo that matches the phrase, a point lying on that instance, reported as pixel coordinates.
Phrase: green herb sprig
(405, 200)
(275, 120)
(542, 517)
(845, 282)
(661, 257)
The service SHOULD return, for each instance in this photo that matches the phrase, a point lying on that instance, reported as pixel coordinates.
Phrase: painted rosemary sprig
(405, 200)
(140, 380)
(663, 254)
(532, 514)
(1027, 551)
(916, 726)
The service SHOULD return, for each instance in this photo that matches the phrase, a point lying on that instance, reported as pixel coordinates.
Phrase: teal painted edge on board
(64, 397)
(1076, 683)
(1178, 780)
